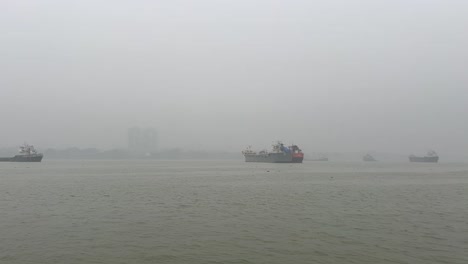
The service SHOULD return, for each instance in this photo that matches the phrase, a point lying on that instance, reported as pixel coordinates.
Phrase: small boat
(368, 157)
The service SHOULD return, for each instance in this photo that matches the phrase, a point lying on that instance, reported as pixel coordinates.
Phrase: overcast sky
(330, 75)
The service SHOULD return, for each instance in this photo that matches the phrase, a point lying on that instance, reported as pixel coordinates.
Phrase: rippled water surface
(232, 212)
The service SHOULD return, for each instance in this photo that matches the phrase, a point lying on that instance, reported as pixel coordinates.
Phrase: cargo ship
(368, 157)
(279, 154)
(27, 153)
(431, 156)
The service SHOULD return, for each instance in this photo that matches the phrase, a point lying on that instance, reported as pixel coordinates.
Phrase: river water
(233, 212)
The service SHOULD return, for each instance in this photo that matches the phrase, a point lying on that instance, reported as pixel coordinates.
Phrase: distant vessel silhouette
(431, 156)
(279, 154)
(27, 153)
(368, 157)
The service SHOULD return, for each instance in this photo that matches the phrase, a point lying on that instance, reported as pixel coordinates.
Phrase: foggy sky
(219, 75)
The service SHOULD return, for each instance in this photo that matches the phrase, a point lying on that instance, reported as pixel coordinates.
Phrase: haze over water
(337, 75)
(150, 211)
(211, 77)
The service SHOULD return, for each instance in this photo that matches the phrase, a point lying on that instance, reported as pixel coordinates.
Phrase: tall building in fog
(142, 140)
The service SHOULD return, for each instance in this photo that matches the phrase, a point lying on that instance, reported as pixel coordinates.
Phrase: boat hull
(297, 160)
(23, 158)
(297, 157)
(270, 158)
(434, 159)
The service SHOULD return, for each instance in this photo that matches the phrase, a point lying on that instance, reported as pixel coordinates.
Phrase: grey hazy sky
(328, 75)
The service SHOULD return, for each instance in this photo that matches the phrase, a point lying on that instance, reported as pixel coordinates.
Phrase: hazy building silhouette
(142, 140)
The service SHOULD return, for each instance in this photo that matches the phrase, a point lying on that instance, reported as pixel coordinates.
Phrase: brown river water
(143, 211)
